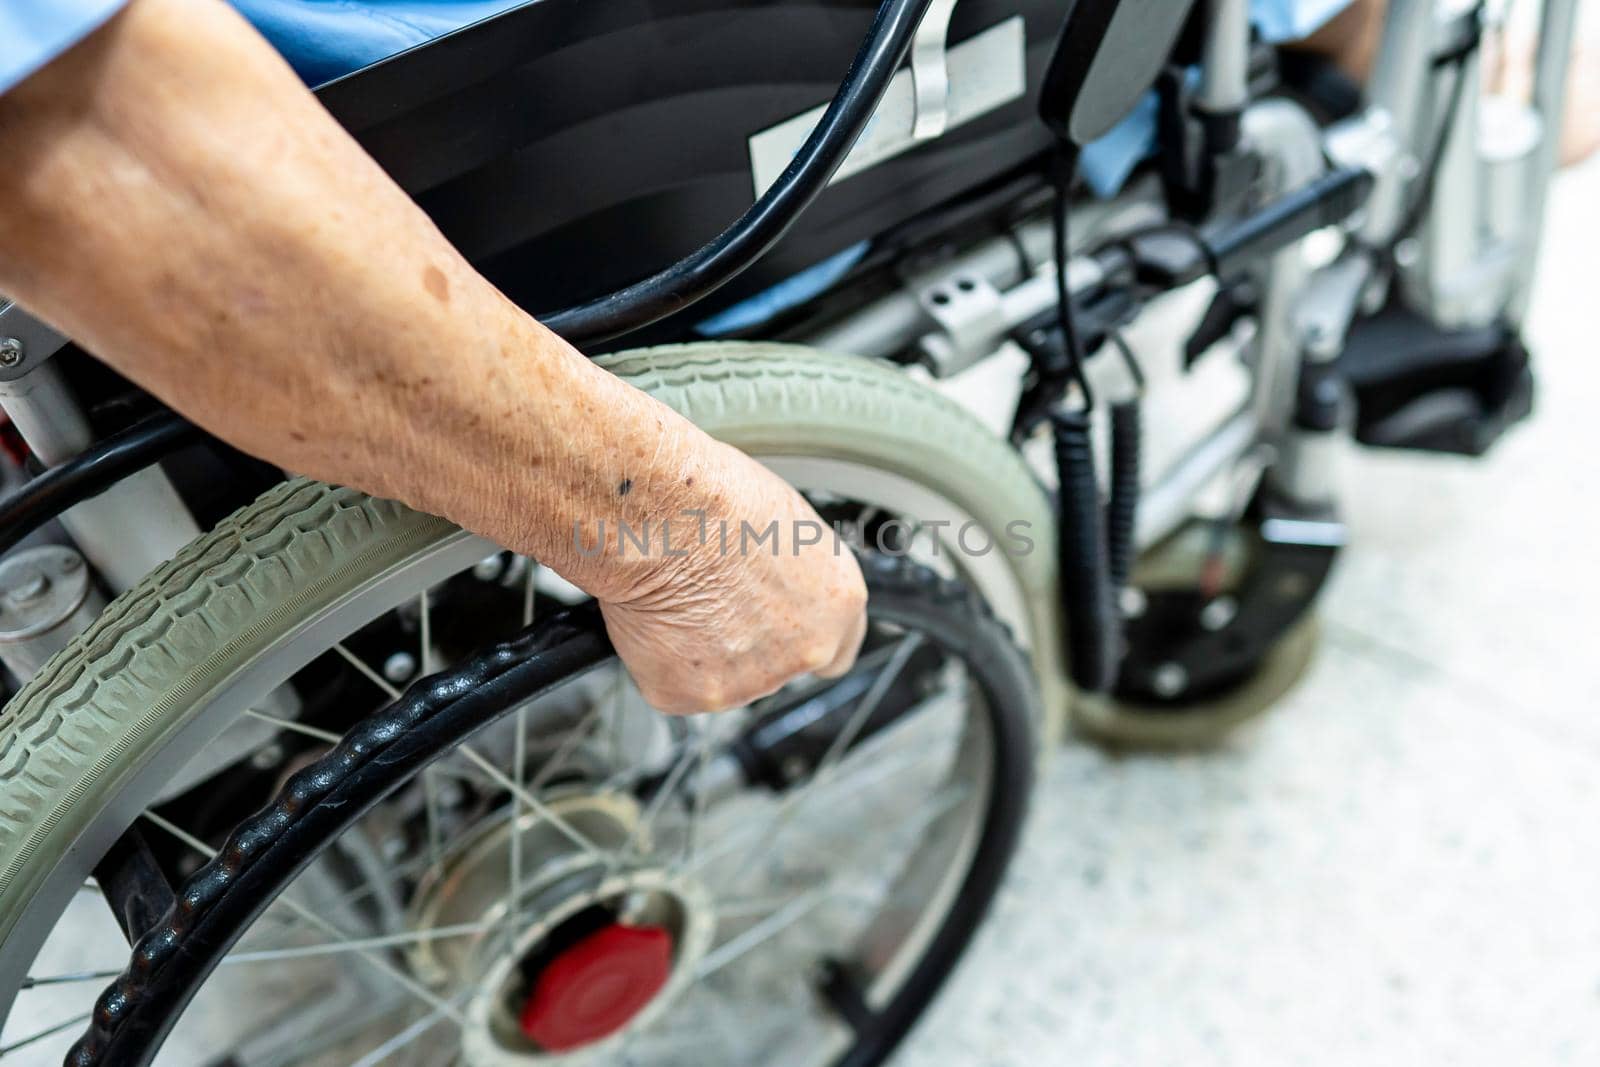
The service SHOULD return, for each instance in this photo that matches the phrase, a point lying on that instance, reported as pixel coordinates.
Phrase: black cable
(90, 473)
(1129, 360)
(758, 229)
(1066, 163)
(1122, 503)
(1081, 556)
(1093, 633)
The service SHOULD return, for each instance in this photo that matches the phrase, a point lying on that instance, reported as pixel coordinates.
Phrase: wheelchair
(1061, 313)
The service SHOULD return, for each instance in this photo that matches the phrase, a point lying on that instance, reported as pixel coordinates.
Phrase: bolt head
(399, 667)
(11, 352)
(795, 768)
(1219, 613)
(32, 587)
(1169, 679)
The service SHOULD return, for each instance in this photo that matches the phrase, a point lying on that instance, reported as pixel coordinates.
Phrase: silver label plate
(986, 71)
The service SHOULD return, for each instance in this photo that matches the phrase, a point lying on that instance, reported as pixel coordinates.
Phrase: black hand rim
(263, 855)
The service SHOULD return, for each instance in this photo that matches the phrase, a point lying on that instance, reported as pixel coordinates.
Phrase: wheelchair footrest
(1420, 387)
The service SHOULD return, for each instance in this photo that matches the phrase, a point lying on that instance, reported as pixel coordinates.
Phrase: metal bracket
(25, 342)
(930, 76)
(1329, 305)
(970, 314)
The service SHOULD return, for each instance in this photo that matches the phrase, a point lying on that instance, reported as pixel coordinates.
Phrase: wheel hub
(587, 947)
(594, 988)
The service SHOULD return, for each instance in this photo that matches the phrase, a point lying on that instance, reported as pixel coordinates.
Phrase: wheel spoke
(529, 574)
(359, 944)
(51, 1031)
(316, 920)
(760, 933)
(840, 789)
(693, 755)
(295, 726)
(31, 982)
(519, 754)
(519, 764)
(371, 675)
(408, 1035)
(495, 774)
(791, 803)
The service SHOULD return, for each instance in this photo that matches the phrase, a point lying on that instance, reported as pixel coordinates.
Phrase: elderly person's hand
(762, 592)
(175, 200)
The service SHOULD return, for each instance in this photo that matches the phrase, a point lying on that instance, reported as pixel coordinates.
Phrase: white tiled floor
(1401, 865)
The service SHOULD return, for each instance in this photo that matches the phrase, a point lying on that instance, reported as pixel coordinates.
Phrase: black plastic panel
(568, 147)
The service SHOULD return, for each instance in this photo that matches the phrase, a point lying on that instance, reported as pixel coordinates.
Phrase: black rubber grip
(1081, 550)
(1122, 509)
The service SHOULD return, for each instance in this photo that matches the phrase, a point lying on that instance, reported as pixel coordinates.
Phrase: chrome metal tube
(128, 530)
(1225, 62)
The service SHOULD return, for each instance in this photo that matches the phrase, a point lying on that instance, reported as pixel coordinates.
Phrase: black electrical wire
(1093, 631)
(758, 229)
(90, 473)
(1082, 555)
(1066, 163)
(1122, 502)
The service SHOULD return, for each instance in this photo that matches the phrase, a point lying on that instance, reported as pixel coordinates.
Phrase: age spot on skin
(623, 489)
(433, 280)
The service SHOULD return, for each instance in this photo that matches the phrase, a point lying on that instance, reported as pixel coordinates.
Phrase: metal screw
(1219, 613)
(795, 768)
(488, 568)
(11, 353)
(1169, 679)
(31, 588)
(399, 666)
(632, 910)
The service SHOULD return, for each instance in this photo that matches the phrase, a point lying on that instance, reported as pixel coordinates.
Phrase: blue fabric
(789, 293)
(323, 39)
(33, 32)
(1289, 20)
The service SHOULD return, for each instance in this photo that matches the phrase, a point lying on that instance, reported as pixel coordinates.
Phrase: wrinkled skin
(175, 200)
(726, 625)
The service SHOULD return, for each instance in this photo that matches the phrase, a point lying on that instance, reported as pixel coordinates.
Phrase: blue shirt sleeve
(33, 32)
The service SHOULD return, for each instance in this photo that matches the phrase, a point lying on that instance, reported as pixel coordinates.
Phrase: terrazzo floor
(1401, 864)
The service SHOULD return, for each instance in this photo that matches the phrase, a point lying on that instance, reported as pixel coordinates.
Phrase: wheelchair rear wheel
(338, 599)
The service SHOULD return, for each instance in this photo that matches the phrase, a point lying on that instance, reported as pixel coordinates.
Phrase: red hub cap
(592, 988)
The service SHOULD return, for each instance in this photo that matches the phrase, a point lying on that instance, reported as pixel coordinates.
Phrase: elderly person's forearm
(172, 168)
